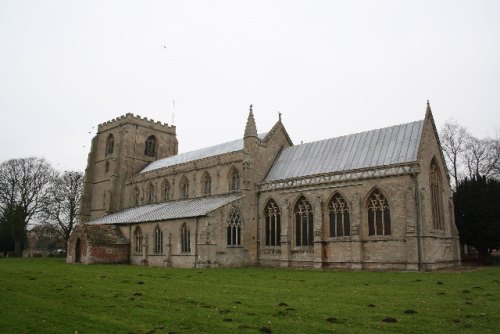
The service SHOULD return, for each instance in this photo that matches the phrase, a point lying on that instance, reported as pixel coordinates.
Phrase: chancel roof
(228, 147)
(195, 207)
(392, 145)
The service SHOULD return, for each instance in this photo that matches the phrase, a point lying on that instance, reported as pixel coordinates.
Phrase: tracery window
(340, 225)
(235, 179)
(110, 144)
(150, 146)
(151, 193)
(138, 240)
(436, 197)
(273, 223)
(135, 196)
(166, 191)
(185, 239)
(304, 222)
(206, 184)
(234, 228)
(158, 240)
(379, 214)
(184, 187)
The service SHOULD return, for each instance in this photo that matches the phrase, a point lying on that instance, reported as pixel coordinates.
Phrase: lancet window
(206, 184)
(235, 179)
(185, 239)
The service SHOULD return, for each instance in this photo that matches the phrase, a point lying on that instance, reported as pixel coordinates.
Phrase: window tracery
(338, 211)
(304, 222)
(234, 228)
(235, 179)
(379, 214)
(272, 216)
(158, 241)
(138, 240)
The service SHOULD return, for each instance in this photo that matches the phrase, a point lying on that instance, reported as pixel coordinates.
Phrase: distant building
(373, 200)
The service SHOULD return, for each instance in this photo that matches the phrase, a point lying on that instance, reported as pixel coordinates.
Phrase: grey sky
(330, 67)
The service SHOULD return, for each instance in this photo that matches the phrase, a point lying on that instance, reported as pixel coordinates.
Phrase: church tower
(121, 148)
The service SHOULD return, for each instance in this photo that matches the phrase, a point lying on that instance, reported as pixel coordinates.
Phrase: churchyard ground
(50, 296)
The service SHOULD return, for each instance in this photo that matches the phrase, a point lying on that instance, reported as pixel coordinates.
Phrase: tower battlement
(136, 119)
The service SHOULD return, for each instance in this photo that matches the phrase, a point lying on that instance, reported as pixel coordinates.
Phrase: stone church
(376, 200)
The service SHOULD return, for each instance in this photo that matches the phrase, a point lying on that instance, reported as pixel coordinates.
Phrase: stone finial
(428, 106)
(250, 128)
(279, 116)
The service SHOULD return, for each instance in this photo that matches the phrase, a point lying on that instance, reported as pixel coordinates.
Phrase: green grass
(49, 296)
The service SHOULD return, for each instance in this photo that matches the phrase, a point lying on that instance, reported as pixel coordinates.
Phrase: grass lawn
(49, 296)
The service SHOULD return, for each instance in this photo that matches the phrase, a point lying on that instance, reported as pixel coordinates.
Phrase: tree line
(474, 168)
(32, 192)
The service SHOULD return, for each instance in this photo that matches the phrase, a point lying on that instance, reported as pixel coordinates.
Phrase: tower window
(150, 147)
(110, 144)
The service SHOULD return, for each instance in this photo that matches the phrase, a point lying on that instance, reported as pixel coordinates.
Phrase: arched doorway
(78, 251)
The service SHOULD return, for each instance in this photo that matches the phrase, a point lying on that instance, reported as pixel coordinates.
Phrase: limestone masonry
(373, 200)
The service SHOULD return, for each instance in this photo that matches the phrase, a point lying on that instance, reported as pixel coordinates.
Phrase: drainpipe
(130, 239)
(418, 218)
(196, 244)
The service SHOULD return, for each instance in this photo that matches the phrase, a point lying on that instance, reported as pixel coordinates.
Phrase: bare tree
(63, 208)
(453, 140)
(481, 157)
(24, 192)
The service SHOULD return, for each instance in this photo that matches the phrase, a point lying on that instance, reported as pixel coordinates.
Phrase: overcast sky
(331, 67)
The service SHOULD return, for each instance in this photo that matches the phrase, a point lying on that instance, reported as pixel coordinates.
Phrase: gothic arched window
(436, 197)
(234, 179)
(151, 193)
(166, 191)
(150, 146)
(138, 240)
(379, 214)
(136, 196)
(184, 187)
(234, 228)
(273, 223)
(185, 239)
(110, 144)
(304, 222)
(158, 241)
(206, 183)
(339, 217)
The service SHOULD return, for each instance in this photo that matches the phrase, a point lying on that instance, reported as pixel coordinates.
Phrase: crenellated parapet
(130, 118)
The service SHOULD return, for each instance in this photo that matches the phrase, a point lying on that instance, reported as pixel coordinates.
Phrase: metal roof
(392, 145)
(168, 210)
(228, 147)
